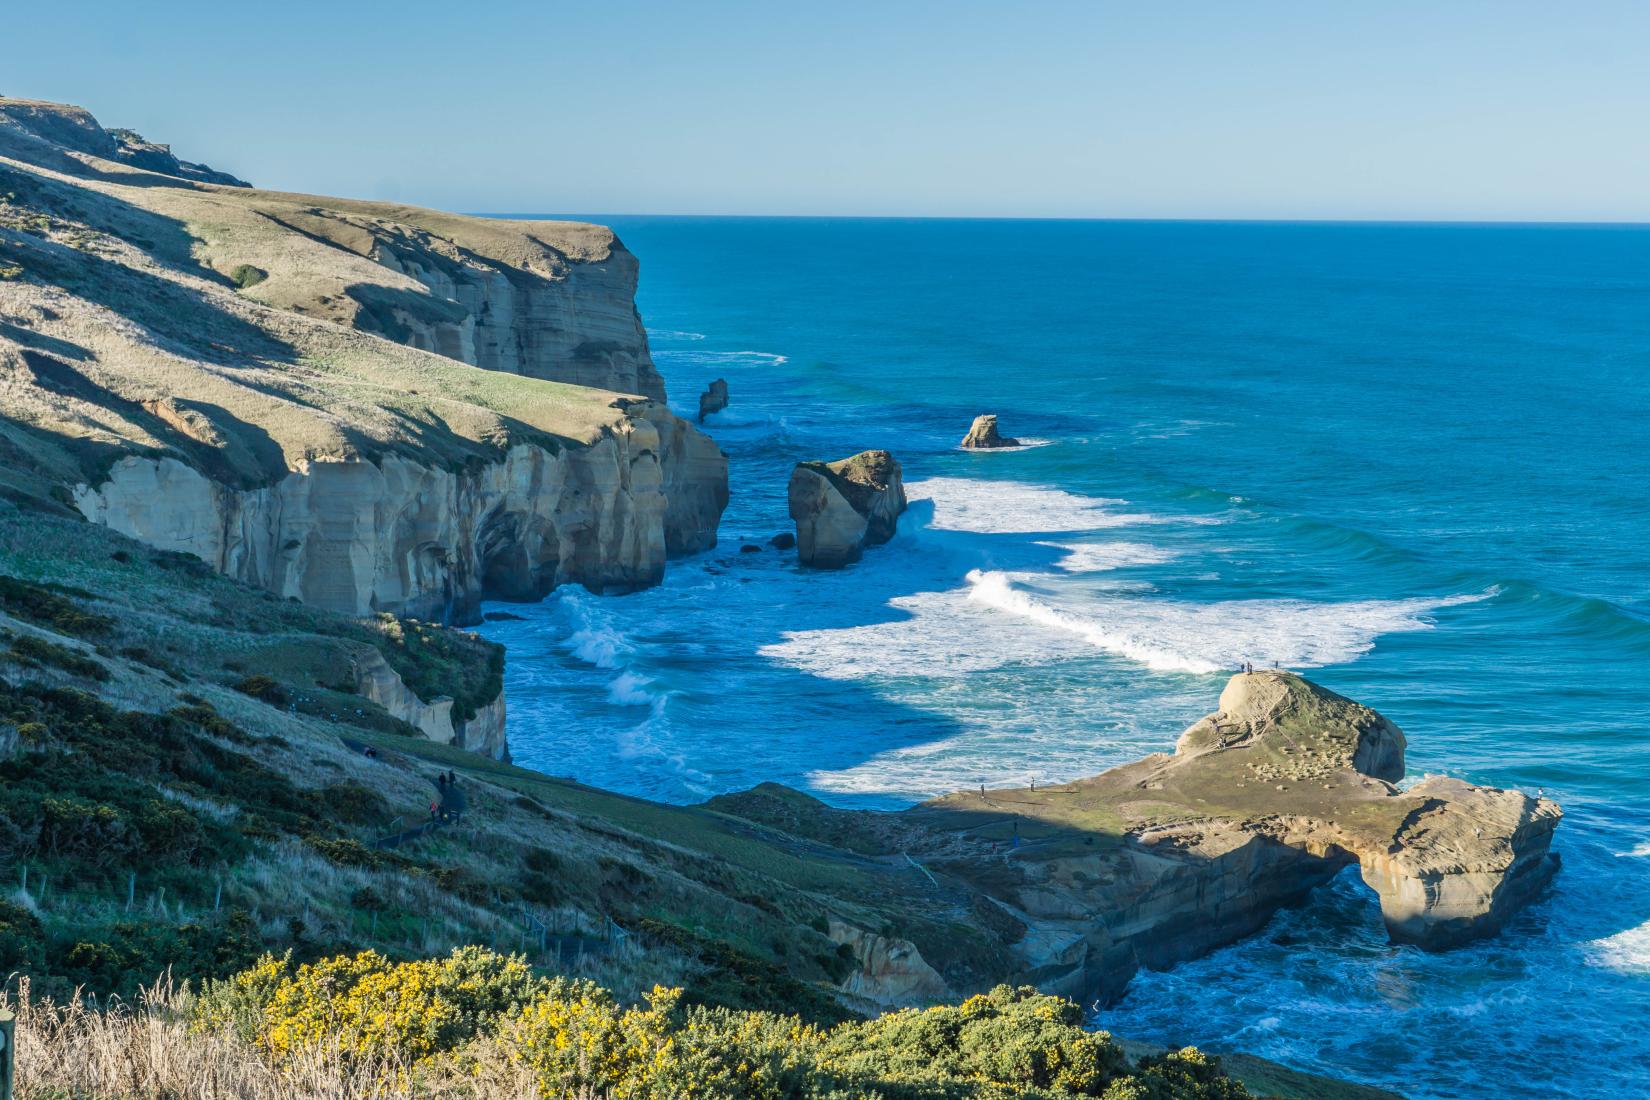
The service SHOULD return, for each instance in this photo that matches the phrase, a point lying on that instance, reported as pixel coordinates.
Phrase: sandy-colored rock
(888, 972)
(1269, 797)
(982, 434)
(264, 430)
(714, 399)
(1076, 886)
(842, 507)
(482, 733)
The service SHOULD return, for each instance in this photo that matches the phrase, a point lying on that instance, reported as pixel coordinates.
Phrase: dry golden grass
(146, 1051)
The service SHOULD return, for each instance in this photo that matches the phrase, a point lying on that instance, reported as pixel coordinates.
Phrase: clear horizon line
(1487, 222)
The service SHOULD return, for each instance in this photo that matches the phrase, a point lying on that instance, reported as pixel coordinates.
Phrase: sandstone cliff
(195, 366)
(840, 508)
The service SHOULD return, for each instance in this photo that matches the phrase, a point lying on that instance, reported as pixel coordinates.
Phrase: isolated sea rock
(783, 541)
(982, 434)
(842, 507)
(714, 399)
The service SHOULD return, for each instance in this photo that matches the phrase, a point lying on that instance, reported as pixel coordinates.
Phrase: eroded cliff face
(552, 311)
(483, 732)
(399, 536)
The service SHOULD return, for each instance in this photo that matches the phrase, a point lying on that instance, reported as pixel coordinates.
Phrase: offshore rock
(982, 434)
(714, 399)
(842, 507)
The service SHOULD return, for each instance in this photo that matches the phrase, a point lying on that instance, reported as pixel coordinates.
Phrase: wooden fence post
(8, 1043)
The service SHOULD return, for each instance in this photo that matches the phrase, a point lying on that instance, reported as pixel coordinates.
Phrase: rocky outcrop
(1075, 887)
(887, 972)
(714, 399)
(61, 131)
(840, 508)
(562, 313)
(1269, 797)
(428, 542)
(982, 434)
(483, 732)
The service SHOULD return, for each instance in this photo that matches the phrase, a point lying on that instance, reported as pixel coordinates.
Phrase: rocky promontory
(982, 435)
(1080, 884)
(842, 507)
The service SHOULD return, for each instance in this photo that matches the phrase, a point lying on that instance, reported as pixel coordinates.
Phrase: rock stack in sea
(714, 399)
(842, 507)
(982, 435)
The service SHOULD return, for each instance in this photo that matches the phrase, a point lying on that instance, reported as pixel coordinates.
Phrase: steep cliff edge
(545, 299)
(193, 365)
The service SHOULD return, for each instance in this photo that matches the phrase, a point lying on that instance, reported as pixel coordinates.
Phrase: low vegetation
(478, 1023)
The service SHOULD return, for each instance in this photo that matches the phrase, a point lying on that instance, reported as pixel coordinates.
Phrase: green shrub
(368, 1005)
(36, 652)
(264, 688)
(436, 660)
(577, 1039)
(41, 605)
(245, 275)
(21, 939)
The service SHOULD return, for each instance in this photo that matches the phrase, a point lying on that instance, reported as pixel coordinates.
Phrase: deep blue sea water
(1411, 461)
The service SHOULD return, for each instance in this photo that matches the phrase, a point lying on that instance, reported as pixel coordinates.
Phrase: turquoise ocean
(1411, 461)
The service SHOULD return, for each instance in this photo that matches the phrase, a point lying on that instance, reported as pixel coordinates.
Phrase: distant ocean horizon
(1409, 460)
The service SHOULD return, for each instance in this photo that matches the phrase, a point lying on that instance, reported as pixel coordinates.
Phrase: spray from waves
(631, 689)
(1172, 636)
(599, 644)
(1625, 952)
(719, 359)
(1026, 443)
(1103, 557)
(1012, 507)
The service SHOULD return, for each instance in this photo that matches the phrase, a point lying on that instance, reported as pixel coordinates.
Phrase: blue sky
(1245, 108)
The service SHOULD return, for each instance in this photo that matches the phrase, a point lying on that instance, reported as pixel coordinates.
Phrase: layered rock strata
(196, 366)
(982, 435)
(842, 507)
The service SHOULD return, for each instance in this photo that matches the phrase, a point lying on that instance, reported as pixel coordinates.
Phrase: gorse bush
(573, 1038)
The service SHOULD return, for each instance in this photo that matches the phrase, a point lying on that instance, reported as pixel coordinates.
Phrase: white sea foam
(1101, 557)
(1627, 952)
(1012, 507)
(673, 334)
(934, 635)
(599, 645)
(1026, 443)
(631, 689)
(1639, 850)
(1175, 636)
(722, 359)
